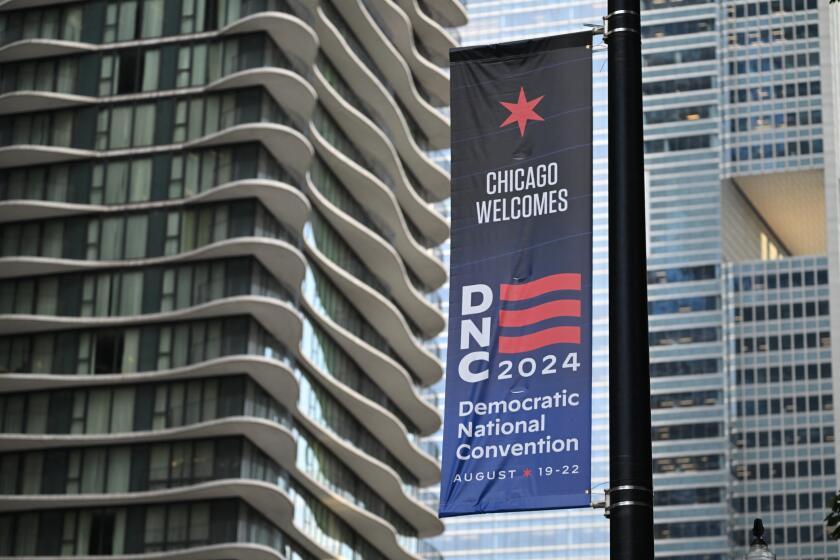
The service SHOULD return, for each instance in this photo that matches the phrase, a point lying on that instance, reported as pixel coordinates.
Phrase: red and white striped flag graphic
(562, 306)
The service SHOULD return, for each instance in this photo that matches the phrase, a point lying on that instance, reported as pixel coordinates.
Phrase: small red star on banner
(527, 473)
(522, 111)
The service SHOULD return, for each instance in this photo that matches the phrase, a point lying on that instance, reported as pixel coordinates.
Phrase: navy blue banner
(517, 427)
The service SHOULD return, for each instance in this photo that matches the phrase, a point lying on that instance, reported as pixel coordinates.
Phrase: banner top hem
(524, 47)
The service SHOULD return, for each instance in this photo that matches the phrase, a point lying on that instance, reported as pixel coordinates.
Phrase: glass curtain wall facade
(218, 233)
(740, 104)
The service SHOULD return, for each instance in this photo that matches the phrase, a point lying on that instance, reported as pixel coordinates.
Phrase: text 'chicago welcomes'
(544, 198)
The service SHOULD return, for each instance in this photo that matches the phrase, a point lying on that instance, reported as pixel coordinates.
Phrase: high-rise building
(217, 233)
(740, 329)
(742, 189)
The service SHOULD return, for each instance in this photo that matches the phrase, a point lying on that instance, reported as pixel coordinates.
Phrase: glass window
(120, 129)
(43, 354)
(131, 348)
(135, 235)
(119, 467)
(94, 467)
(176, 526)
(72, 27)
(48, 296)
(36, 417)
(151, 70)
(127, 22)
(155, 531)
(200, 523)
(122, 411)
(44, 72)
(131, 296)
(180, 131)
(194, 124)
(141, 180)
(52, 242)
(62, 128)
(106, 74)
(202, 463)
(159, 466)
(24, 296)
(26, 536)
(8, 476)
(152, 25)
(67, 70)
(111, 241)
(144, 124)
(199, 65)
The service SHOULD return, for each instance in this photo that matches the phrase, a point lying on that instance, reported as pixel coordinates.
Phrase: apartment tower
(217, 236)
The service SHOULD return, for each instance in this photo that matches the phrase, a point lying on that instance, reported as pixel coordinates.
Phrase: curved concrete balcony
(387, 373)
(398, 29)
(268, 499)
(284, 388)
(452, 13)
(389, 116)
(274, 376)
(288, 88)
(284, 201)
(370, 140)
(6, 5)
(433, 35)
(267, 434)
(280, 318)
(382, 105)
(288, 31)
(272, 438)
(384, 317)
(20, 155)
(383, 478)
(288, 146)
(27, 49)
(434, 125)
(375, 530)
(283, 260)
(383, 424)
(26, 101)
(363, 185)
(208, 552)
(384, 262)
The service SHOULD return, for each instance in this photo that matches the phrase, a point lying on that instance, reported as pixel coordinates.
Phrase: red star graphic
(527, 472)
(522, 111)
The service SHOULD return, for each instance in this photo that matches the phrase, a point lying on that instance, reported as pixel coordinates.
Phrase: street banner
(518, 415)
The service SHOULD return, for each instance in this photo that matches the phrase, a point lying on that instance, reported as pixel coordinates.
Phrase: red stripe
(518, 292)
(542, 312)
(547, 337)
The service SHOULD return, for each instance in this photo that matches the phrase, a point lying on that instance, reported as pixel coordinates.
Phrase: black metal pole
(630, 500)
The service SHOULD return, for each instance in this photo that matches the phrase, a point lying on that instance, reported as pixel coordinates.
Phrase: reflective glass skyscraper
(741, 188)
(217, 233)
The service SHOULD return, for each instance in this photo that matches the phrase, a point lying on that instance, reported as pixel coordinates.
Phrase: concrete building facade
(217, 233)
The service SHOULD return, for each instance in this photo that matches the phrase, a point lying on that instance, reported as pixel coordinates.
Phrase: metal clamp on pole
(627, 21)
(627, 495)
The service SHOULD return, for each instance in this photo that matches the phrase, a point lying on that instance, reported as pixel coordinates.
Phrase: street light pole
(630, 497)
